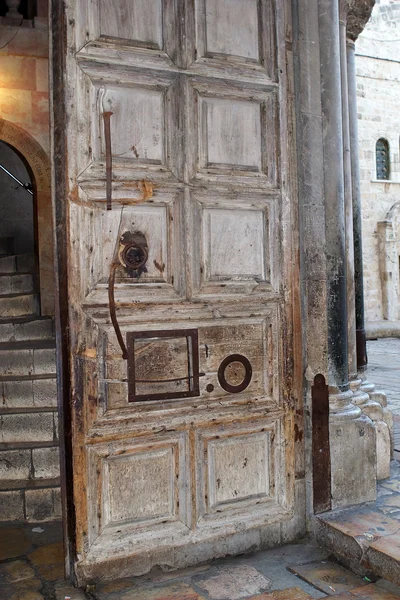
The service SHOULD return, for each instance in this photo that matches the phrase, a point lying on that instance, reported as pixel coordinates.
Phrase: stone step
(366, 538)
(27, 358)
(29, 464)
(29, 427)
(29, 393)
(17, 263)
(16, 305)
(6, 245)
(35, 501)
(16, 283)
(26, 328)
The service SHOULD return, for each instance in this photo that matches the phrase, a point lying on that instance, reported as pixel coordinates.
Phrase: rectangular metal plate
(163, 365)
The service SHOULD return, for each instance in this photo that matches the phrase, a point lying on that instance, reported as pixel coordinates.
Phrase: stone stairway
(29, 459)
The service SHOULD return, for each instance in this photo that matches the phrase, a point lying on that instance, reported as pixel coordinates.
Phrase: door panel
(183, 432)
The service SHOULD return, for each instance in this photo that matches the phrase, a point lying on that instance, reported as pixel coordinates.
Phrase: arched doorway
(389, 261)
(37, 166)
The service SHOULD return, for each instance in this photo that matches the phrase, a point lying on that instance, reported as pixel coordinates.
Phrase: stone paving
(384, 369)
(31, 568)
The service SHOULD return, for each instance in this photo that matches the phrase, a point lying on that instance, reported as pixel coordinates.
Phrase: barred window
(382, 159)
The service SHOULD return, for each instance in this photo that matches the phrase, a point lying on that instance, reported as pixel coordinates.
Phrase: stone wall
(378, 86)
(24, 89)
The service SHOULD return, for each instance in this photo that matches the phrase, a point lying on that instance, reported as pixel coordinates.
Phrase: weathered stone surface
(357, 17)
(49, 561)
(20, 305)
(12, 506)
(46, 462)
(39, 505)
(15, 464)
(13, 542)
(234, 583)
(28, 427)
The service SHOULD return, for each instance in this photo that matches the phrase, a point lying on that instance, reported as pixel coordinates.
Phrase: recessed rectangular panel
(163, 364)
(238, 468)
(136, 20)
(152, 222)
(234, 243)
(140, 486)
(230, 133)
(232, 27)
(137, 123)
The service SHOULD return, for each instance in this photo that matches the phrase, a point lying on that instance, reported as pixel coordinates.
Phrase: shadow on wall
(16, 204)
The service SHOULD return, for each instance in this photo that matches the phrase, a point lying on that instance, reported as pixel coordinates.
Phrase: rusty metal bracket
(192, 341)
(113, 310)
(107, 137)
(321, 455)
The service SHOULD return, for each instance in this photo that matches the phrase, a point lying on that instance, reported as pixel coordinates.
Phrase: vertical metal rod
(321, 455)
(107, 136)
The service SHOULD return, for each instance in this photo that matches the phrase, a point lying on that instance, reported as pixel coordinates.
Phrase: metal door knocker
(234, 373)
(132, 254)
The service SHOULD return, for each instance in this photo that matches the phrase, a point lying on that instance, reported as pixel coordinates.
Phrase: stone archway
(389, 256)
(39, 164)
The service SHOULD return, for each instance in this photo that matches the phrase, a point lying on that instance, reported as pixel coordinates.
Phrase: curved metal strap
(112, 307)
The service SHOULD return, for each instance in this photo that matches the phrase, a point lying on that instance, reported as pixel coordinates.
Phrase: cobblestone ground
(384, 369)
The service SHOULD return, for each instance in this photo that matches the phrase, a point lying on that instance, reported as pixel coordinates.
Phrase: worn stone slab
(289, 594)
(373, 592)
(49, 561)
(13, 543)
(234, 583)
(327, 576)
(175, 591)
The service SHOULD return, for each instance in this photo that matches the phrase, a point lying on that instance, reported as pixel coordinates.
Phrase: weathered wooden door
(182, 431)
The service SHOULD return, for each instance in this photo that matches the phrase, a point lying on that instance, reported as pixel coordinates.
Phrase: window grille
(382, 159)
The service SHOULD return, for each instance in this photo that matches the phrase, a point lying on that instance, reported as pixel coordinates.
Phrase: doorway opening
(18, 225)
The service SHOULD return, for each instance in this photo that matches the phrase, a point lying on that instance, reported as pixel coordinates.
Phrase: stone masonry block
(17, 306)
(42, 75)
(40, 107)
(27, 427)
(17, 394)
(57, 503)
(11, 506)
(18, 73)
(15, 464)
(45, 392)
(39, 505)
(46, 462)
(44, 361)
(16, 362)
(34, 42)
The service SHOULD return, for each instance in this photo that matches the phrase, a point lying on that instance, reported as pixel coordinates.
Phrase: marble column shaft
(351, 320)
(356, 201)
(328, 17)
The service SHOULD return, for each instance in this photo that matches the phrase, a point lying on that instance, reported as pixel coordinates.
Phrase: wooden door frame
(60, 191)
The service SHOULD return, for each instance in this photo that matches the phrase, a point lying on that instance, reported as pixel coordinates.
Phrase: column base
(376, 409)
(353, 452)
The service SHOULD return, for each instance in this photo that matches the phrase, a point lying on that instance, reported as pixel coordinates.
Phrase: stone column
(372, 403)
(351, 308)
(310, 164)
(352, 435)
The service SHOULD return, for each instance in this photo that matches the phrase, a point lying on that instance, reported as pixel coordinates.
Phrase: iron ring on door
(223, 374)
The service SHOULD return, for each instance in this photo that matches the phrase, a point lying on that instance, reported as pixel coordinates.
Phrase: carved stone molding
(358, 15)
(344, 8)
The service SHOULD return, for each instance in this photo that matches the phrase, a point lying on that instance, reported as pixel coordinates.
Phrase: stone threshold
(366, 538)
(382, 329)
